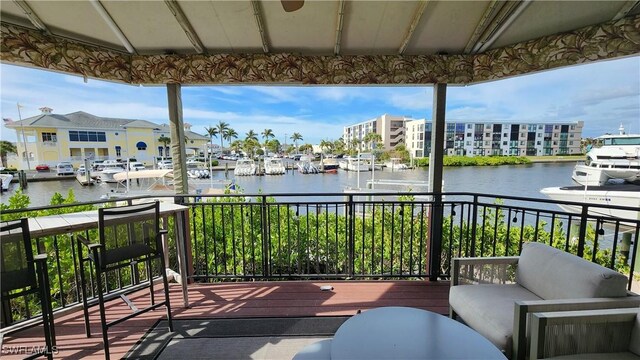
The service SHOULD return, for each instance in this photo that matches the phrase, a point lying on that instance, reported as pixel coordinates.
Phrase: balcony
(266, 256)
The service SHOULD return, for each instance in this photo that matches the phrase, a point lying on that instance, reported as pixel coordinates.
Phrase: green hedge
(476, 161)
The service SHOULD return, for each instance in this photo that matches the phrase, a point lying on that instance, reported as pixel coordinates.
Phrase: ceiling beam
(489, 14)
(35, 20)
(113, 26)
(412, 27)
(626, 9)
(185, 24)
(257, 15)
(507, 14)
(340, 22)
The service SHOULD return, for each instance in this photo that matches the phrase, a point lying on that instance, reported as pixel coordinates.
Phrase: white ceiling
(368, 27)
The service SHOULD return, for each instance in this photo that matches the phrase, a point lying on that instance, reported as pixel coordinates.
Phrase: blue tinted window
(101, 137)
(73, 136)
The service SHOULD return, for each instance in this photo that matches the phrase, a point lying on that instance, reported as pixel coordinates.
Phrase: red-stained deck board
(232, 300)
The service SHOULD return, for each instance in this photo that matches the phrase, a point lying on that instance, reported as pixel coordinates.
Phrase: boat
(245, 167)
(361, 162)
(305, 165)
(198, 174)
(617, 158)
(329, 165)
(627, 195)
(395, 164)
(149, 182)
(5, 180)
(273, 166)
(106, 171)
(84, 177)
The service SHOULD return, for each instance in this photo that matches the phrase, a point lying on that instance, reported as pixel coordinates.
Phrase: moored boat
(617, 158)
(273, 166)
(245, 167)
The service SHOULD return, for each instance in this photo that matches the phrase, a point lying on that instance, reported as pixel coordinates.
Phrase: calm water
(517, 180)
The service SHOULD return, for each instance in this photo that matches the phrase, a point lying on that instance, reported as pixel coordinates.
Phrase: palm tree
(236, 145)
(165, 141)
(213, 132)
(6, 148)
(326, 145)
(229, 134)
(222, 128)
(372, 139)
(267, 134)
(339, 145)
(296, 137)
(251, 135)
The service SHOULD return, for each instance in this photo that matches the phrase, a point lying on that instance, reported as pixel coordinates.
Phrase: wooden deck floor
(231, 300)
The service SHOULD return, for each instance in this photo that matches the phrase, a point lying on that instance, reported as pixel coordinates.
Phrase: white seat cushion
(488, 309)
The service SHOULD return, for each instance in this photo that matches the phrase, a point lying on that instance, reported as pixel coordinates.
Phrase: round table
(408, 333)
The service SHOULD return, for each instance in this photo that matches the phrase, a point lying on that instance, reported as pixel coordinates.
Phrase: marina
(500, 180)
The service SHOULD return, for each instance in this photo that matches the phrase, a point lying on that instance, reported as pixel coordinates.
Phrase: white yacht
(627, 195)
(617, 158)
(395, 164)
(106, 171)
(273, 166)
(360, 163)
(245, 167)
(5, 181)
(305, 165)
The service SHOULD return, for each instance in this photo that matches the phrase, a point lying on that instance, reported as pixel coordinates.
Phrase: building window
(118, 151)
(141, 145)
(93, 136)
(504, 143)
(570, 142)
(49, 137)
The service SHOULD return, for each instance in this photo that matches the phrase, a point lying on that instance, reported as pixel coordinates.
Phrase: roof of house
(84, 120)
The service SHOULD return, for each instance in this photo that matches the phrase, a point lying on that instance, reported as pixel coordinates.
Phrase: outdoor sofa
(606, 334)
(495, 295)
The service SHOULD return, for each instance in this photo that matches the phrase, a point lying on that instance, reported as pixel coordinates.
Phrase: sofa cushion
(488, 309)
(551, 274)
(634, 343)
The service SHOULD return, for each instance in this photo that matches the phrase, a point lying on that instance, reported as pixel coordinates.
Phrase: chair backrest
(128, 232)
(16, 256)
(551, 273)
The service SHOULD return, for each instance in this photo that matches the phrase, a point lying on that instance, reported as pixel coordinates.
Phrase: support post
(174, 95)
(435, 178)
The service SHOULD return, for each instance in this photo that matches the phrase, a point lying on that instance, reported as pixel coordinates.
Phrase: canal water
(514, 180)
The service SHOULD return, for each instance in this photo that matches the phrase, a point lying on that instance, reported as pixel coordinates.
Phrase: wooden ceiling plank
(340, 23)
(626, 9)
(257, 14)
(113, 26)
(32, 16)
(188, 29)
(488, 16)
(412, 27)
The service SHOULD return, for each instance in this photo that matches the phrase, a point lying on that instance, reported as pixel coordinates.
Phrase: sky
(603, 95)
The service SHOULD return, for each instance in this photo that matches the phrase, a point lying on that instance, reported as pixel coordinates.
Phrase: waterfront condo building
(53, 138)
(472, 138)
(389, 127)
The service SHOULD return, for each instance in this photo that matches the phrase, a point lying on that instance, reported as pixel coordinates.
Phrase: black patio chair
(22, 274)
(128, 235)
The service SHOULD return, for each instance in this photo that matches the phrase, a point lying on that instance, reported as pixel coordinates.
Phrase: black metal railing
(352, 236)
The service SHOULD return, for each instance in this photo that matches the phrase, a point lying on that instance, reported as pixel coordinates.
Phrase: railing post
(351, 219)
(435, 238)
(265, 236)
(583, 230)
(474, 224)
